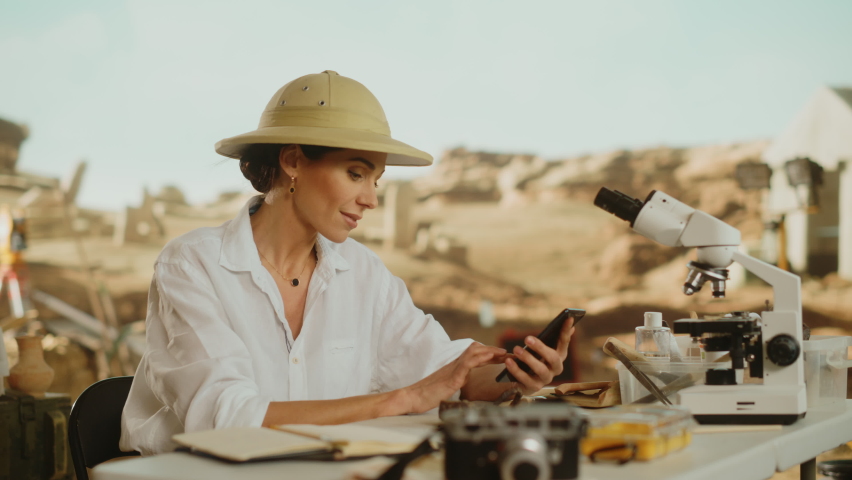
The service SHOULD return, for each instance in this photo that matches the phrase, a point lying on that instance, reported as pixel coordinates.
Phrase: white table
(750, 455)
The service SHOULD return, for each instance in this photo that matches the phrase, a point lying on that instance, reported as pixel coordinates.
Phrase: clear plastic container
(691, 350)
(662, 374)
(826, 362)
(632, 432)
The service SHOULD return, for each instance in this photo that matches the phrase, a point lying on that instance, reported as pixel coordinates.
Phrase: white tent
(822, 131)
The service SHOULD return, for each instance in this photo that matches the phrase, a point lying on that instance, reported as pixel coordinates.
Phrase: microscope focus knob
(783, 350)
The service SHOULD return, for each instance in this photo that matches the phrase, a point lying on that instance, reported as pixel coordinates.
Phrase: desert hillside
(531, 243)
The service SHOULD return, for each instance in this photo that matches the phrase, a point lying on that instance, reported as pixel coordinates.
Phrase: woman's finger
(520, 375)
(541, 370)
(565, 337)
(477, 348)
(549, 356)
(530, 384)
(483, 358)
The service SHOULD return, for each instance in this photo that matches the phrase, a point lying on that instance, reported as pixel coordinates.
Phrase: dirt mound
(627, 258)
(463, 175)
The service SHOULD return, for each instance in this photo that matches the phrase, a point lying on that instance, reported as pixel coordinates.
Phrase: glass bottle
(653, 339)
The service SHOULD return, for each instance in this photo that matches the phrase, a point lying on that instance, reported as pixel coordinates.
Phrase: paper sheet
(358, 440)
(248, 443)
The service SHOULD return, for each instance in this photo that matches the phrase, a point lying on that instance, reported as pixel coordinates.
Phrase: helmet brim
(399, 153)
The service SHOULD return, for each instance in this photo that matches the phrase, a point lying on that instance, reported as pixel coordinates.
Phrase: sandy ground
(548, 248)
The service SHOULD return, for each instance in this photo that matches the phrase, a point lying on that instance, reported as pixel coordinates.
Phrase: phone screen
(550, 337)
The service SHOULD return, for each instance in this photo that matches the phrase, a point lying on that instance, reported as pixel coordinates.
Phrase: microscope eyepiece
(622, 206)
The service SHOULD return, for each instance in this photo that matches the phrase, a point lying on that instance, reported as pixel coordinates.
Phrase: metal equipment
(537, 440)
(770, 343)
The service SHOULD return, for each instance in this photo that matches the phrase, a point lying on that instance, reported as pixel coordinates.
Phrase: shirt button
(295, 360)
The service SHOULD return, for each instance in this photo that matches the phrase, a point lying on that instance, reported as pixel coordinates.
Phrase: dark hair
(260, 166)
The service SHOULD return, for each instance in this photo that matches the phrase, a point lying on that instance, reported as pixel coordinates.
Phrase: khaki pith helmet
(329, 110)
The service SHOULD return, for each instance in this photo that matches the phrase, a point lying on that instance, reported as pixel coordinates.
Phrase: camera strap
(427, 446)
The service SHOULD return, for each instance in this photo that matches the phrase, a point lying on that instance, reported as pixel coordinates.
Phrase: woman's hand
(545, 369)
(428, 393)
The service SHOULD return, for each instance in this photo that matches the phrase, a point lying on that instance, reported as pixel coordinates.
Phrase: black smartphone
(550, 337)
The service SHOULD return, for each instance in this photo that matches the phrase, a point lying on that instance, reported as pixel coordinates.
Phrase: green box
(34, 439)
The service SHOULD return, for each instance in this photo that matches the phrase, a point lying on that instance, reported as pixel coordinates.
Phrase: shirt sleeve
(197, 365)
(411, 344)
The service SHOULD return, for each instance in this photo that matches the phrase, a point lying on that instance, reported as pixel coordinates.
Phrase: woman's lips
(350, 220)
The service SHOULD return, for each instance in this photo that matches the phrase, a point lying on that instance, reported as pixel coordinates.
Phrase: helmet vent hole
(305, 88)
(322, 103)
(283, 102)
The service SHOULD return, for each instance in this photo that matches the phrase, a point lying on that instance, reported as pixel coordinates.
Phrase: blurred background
(109, 111)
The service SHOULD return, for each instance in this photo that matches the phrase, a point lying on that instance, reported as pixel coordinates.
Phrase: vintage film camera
(537, 441)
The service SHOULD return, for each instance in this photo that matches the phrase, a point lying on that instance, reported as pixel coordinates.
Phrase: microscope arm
(783, 322)
(786, 286)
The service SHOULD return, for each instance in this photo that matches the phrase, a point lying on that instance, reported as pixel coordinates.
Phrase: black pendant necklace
(294, 282)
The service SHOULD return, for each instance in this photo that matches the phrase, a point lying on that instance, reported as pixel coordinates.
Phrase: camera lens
(525, 458)
(622, 206)
(525, 471)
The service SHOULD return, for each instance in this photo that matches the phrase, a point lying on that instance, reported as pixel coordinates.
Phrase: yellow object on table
(626, 433)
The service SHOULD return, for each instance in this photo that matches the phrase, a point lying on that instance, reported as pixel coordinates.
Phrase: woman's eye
(354, 175)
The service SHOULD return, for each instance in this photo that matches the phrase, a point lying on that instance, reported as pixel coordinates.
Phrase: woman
(277, 317)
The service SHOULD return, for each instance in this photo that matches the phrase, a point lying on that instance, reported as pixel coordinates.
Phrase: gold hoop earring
(292, 184)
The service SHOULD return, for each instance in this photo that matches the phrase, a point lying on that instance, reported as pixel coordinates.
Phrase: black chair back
(94, 427)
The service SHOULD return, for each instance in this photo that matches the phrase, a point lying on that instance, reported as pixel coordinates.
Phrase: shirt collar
(239, 252)
(327, 251)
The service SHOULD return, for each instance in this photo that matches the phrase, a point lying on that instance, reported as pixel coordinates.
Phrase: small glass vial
(653, 340)
(694, 352)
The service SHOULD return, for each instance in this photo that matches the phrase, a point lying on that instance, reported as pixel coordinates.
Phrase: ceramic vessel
(31, 375)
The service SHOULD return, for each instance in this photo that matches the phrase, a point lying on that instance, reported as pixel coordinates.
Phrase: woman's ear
(289, 159)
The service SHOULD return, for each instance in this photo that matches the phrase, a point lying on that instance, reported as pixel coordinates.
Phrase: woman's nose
(369, 198)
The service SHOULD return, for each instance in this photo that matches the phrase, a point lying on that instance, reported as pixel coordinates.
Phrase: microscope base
(745, 404)
(748, 419)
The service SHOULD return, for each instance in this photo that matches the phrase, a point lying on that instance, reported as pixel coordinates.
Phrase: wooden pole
(99, 297)
(101, 361)
(783, 262)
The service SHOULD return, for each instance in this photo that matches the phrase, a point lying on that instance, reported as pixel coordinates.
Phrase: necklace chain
(294, 281)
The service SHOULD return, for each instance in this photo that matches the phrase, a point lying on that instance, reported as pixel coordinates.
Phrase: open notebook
(244, 444)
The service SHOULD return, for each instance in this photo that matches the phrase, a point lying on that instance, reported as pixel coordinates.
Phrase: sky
(142, 90)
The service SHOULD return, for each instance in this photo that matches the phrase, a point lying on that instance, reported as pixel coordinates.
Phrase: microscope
(770, 343)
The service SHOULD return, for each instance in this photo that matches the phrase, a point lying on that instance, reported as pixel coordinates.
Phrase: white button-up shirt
(220, 348)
